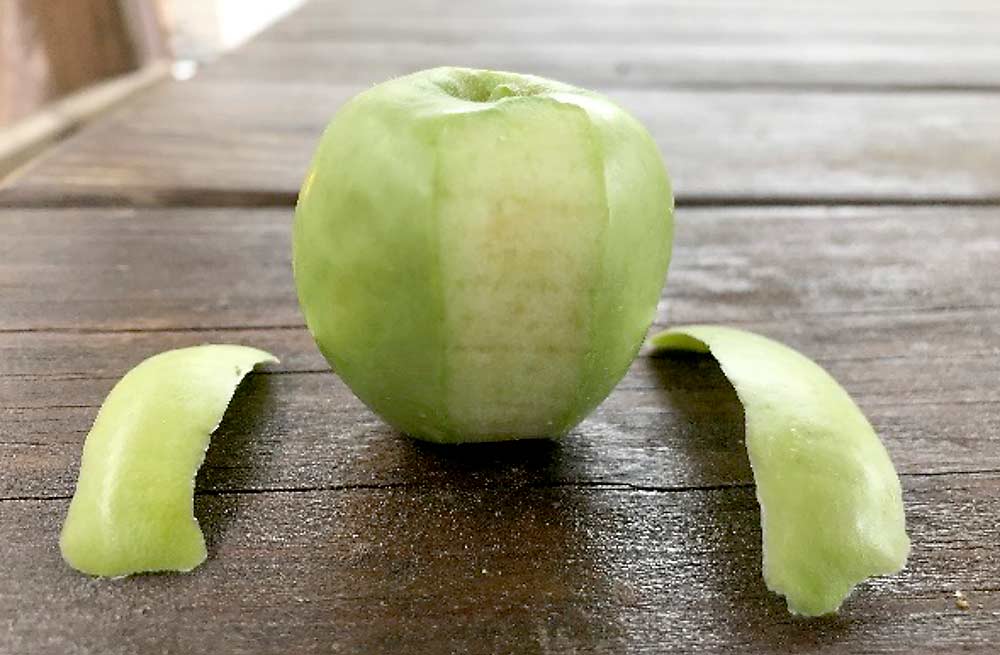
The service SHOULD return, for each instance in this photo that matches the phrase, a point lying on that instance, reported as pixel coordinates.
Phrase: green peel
(830, 500)
(133, 507)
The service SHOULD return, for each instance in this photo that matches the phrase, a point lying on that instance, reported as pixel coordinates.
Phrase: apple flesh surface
(479, 254)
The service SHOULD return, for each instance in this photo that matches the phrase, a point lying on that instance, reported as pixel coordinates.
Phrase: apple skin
(831, 506)
(133, 507)
(479, 254)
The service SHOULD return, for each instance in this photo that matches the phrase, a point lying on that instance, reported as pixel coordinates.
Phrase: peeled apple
(479, 254)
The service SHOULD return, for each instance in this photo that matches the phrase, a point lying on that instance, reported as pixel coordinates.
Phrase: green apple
(479, 254)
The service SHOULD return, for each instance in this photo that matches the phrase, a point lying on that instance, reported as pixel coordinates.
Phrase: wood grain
(87, 269)
(644, 43)
(492, 561)
(297, 426)
(876, 295)
(26, 139)
(649, 64)
(129, 269)
(206, 143)
(617, 21)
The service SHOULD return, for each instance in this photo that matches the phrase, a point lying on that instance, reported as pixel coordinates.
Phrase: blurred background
(888, 99)
(51, 49)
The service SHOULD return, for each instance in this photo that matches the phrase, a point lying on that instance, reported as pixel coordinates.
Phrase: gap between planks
(594, 485)
(214, 198)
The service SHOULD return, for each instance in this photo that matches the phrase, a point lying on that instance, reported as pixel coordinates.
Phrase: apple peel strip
(831, 502)
(133, 507)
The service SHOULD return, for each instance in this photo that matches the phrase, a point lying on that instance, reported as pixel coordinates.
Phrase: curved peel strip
(133, 506)
(830, 500)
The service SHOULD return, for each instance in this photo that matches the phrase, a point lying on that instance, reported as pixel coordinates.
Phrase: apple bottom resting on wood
(479, 254)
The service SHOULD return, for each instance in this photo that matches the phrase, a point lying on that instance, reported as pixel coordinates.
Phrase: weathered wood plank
(26, 139)
(672, 422)
(79, 269)
(904, 313)
(226, 140)
(127, 269)
(650, 64)
(476, 565)
(249, 143)
(615, 21)
(639, 43)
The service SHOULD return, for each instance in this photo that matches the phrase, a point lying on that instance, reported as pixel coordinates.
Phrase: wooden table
(837, 168)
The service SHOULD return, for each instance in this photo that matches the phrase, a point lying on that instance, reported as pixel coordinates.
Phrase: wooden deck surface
(837, 168)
